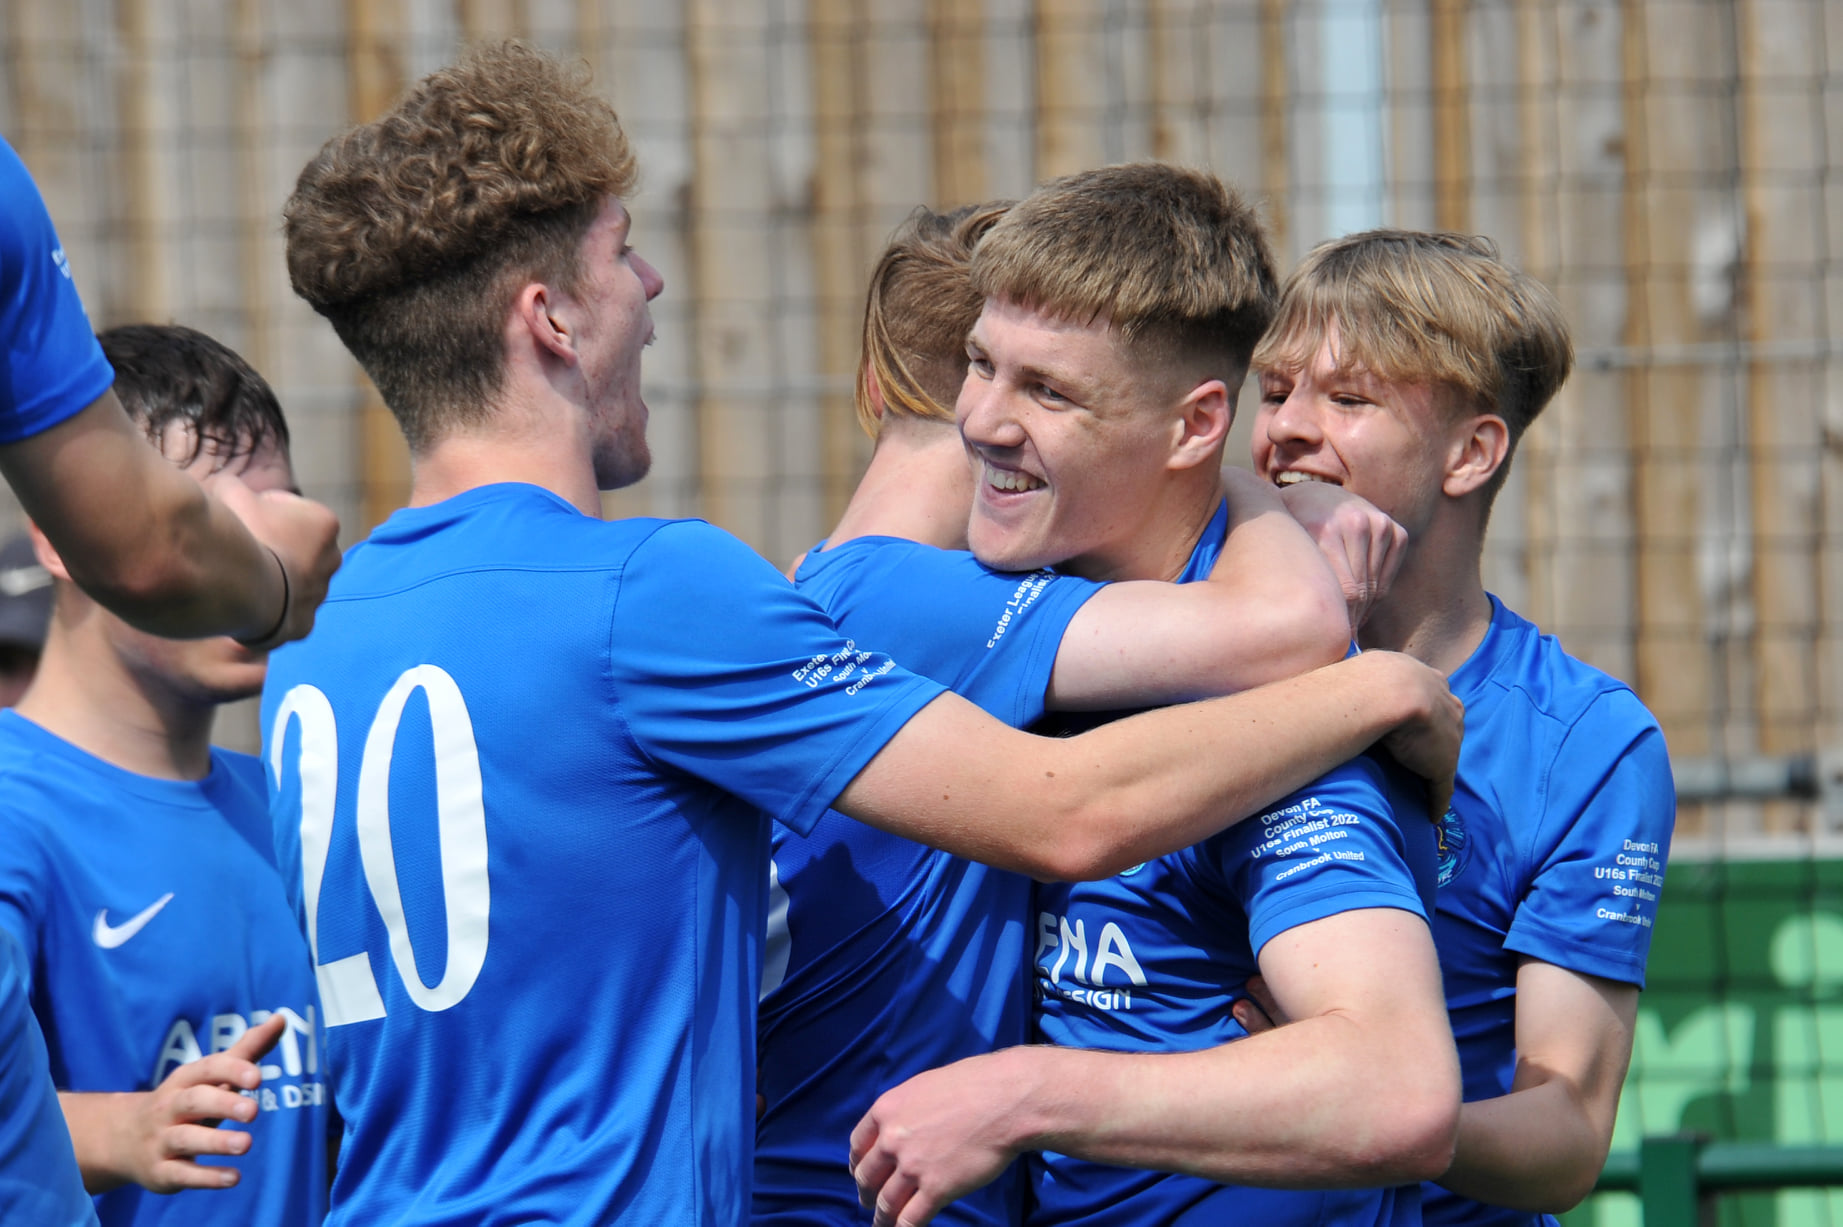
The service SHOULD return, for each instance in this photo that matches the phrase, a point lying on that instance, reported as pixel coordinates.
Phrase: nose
(650, 280)
(1291, 421)
(985, 420)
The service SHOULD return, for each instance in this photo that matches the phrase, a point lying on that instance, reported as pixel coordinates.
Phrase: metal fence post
(1667, 1182)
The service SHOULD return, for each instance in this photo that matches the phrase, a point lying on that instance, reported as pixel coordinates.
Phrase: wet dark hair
(168, 374)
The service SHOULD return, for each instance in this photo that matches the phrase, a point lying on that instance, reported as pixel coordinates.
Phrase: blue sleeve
(22, 888)
(1601, 846)
(725, 671)
(1336, 845)
(53, 364)
(990, 636)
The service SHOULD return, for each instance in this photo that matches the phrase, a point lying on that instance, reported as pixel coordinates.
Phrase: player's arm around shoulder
(1270, 609)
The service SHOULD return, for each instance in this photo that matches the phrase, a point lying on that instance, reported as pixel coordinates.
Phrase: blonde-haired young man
(524, 769)
(888, 958)
(1098, 398)
(1404, 367)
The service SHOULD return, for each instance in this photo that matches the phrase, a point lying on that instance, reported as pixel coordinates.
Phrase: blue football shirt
(156, 933)
(39, 1180)
(53, 364)
(524, 770)
(1554, 849)
(1152, 960)
(887, 958)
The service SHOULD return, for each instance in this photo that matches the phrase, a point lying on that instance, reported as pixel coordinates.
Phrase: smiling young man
(524, 770)
(886, 957)
(1404, 367)
(137, 870)
(1095, 408)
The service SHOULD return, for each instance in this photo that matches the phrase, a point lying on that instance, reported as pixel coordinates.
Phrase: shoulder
(1536, 671)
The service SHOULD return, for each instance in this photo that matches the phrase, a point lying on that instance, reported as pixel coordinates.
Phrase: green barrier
(1674, 1175)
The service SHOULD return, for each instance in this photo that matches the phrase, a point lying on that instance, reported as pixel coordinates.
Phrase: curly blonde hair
(411, 234)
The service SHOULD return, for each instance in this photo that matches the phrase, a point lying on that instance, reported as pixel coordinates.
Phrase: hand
(1428, 743)
(1258, 1011)
(305, 538)
(932, 1140)
(156, 1135)
(1363, 546)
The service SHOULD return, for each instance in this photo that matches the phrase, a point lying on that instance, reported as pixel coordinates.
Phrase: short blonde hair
(919, 309)
(1427, 308)
(1173, 259)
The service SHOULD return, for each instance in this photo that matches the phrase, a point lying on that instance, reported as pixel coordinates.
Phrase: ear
(544, 315)
(1478, 448)
(1203, 420)
(47, 554)
(873, 391)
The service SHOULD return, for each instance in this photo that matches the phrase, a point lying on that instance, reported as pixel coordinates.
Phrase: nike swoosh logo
(110, 936)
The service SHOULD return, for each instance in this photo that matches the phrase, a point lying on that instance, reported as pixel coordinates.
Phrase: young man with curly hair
(524, 769)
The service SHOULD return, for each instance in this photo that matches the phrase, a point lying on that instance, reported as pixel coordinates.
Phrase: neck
(1159, 543)
(543, 444)
(1436, 610)
(918, 486)
(88, 695)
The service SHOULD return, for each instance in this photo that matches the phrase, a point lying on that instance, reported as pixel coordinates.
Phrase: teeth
(1292, 477)
(1010, 479)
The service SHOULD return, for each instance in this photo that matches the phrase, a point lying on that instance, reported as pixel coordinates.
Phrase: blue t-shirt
(53, 364)
(1554, 849)
(39, 1180)
(887, 958)
(156, 932)
(524, 769)
(1152, 960)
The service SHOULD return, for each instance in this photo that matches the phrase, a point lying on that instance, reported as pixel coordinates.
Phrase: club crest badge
(1454, 847)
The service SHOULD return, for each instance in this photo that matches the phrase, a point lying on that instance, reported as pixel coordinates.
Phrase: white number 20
(348, 991)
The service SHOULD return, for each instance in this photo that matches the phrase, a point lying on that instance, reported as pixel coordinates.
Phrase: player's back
(536, 939)
(887, 958)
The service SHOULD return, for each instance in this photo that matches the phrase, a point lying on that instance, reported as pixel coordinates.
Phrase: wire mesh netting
(1669, 167)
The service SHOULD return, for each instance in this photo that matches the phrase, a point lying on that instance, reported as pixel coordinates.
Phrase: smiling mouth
(1293, 477)
(1011, 480)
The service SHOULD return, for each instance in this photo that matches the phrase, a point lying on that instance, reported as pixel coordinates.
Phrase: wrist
(268, 638)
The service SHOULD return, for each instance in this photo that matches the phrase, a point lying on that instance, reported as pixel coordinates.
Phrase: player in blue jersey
(1095, 410)
(136, 866)
(887, 958)
(1404, 367)
(148, 543)
(143, 539)
(523, 771)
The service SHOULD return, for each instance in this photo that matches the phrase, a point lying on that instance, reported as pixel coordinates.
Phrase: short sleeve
(1334, 846)
(1601, 847)
(21, 887)
(991, 636)
(723, 670)
(54, 366)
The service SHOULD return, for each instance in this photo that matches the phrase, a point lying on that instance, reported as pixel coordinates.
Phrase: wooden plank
(1276, 128)
(1782, 137)
(1070, 66)
(143, 213)
(1452, 110)
(376, 49)
(483, 20)
(956, 74)
(258, 256)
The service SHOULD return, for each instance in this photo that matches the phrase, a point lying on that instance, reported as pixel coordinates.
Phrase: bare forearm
(139, 535)
(92, 1118)
(1312, 1109)
(1090, 806)
(1534, 1150)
